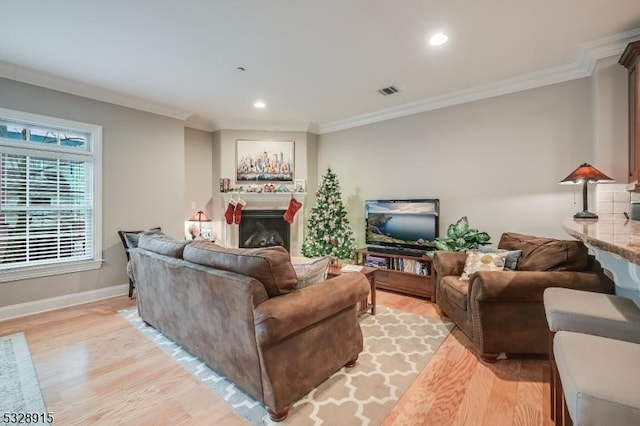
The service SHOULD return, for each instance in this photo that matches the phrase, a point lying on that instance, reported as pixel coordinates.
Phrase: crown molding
(588, 54)
(199, 123)
(272, 127)
(37, 78)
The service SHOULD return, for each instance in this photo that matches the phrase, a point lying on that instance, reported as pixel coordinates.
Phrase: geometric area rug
(397, 347)
(20, 395)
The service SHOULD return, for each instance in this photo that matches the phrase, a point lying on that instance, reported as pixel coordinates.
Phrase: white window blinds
(47, 196)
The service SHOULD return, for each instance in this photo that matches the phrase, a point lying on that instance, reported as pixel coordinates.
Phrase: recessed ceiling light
(259, 104)
(438, 39)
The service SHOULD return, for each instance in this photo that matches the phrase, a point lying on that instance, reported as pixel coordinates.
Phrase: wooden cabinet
(631, 60)
(398, 272)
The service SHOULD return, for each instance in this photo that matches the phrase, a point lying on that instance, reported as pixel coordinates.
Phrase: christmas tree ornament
(228, 214)
(237, 214)
(294, 206)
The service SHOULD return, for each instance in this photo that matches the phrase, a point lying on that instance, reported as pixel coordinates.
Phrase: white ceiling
(316, 64)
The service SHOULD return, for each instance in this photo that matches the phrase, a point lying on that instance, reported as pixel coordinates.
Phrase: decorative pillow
(510, 262)
(546, 254)
(478, 261)
(310, 270)
(132, 237)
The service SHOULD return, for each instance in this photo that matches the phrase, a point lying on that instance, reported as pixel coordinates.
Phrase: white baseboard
(44, 305)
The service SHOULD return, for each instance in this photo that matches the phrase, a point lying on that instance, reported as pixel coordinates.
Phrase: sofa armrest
(281, 316)
(529, 286)
(449, 263)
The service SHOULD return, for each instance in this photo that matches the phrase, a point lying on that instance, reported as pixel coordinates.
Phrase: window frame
(94, 148)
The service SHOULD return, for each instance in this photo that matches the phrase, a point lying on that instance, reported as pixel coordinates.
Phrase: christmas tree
(328, 230)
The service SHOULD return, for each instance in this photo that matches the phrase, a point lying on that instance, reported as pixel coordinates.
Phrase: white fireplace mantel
(279, 198)
(266, 201)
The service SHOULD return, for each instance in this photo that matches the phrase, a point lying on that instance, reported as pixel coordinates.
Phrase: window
(49, 196)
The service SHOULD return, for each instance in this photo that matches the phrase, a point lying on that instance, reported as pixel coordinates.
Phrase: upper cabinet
(631, 60)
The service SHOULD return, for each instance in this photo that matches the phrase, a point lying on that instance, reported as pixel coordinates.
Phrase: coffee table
(368, 272)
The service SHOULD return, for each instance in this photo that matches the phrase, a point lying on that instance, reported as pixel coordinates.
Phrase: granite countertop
(609, 232)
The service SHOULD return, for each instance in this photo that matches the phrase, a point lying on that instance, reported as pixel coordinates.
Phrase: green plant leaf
(451, 232)
(483, 238)
(461, 227)
(441, 245)
(471, 235)
(469, 245)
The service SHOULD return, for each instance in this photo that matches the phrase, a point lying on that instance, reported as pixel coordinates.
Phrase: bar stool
(604, 315)
(599, 378)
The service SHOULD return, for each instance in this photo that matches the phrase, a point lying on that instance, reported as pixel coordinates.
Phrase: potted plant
(461, 238)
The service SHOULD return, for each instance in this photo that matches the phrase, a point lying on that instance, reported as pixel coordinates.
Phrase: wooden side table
(368, 272)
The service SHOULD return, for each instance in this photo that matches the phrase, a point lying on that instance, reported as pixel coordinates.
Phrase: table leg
(372, 282)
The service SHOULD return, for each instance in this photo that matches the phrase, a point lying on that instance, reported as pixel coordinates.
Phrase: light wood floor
(94, 368)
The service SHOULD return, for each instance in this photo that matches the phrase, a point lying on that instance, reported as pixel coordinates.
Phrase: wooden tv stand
(403, 273)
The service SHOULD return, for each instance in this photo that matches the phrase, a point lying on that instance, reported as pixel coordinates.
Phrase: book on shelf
(376, 261)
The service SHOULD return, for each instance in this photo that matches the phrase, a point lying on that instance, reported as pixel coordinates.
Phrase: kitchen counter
(615, 241)
(619, 236)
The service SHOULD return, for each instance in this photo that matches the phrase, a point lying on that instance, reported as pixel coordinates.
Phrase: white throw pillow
(310, 270)
(478, 261)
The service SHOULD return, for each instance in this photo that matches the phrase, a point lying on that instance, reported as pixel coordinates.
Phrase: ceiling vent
(388, 90)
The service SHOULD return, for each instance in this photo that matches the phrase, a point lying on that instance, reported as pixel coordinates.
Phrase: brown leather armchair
(502, 311)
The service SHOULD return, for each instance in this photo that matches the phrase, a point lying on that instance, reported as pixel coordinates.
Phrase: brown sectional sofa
(503, 311)
(238, 310)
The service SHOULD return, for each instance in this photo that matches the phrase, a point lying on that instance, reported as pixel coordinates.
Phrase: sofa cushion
(546, 254)
(160, 243)
(478, 261)
(510, 262)
(131, 237)
(456, 290)
(310, 270)
(269, 265)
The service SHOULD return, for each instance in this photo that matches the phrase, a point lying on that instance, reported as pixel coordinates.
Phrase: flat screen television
(401, 224)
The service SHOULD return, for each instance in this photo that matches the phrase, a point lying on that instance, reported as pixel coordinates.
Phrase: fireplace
(272, 204)
(262, 228)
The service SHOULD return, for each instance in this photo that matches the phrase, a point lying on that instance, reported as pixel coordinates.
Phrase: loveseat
(503, 311)
(239, 311)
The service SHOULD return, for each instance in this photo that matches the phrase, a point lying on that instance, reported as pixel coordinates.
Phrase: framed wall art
(299, 185)
(264, 161)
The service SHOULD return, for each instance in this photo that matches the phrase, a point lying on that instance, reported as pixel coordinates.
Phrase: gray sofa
(240, 312)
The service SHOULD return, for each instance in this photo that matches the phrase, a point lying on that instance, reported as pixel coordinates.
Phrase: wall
(610, 120)
(142, 184)
(497, 161)
(198, 180)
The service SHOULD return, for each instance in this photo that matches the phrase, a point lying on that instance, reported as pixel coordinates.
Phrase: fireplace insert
(263, 228)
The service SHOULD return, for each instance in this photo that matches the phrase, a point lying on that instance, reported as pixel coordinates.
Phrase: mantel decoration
(462, 238)
(264, 161)
(584, 174)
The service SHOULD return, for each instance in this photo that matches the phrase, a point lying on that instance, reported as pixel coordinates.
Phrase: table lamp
(584, 174)
(199, 217)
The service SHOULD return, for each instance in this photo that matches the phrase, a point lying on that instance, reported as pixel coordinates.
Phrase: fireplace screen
(262, 228)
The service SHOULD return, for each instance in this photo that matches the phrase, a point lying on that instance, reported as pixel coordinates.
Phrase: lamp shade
(586, 173)
(199, 216)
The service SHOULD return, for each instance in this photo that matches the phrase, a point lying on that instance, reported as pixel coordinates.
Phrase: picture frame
(299, 185)
(264, 161)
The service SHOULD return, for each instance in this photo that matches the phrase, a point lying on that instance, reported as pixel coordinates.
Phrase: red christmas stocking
(294, 206)
(228, 214)
(237, 216)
